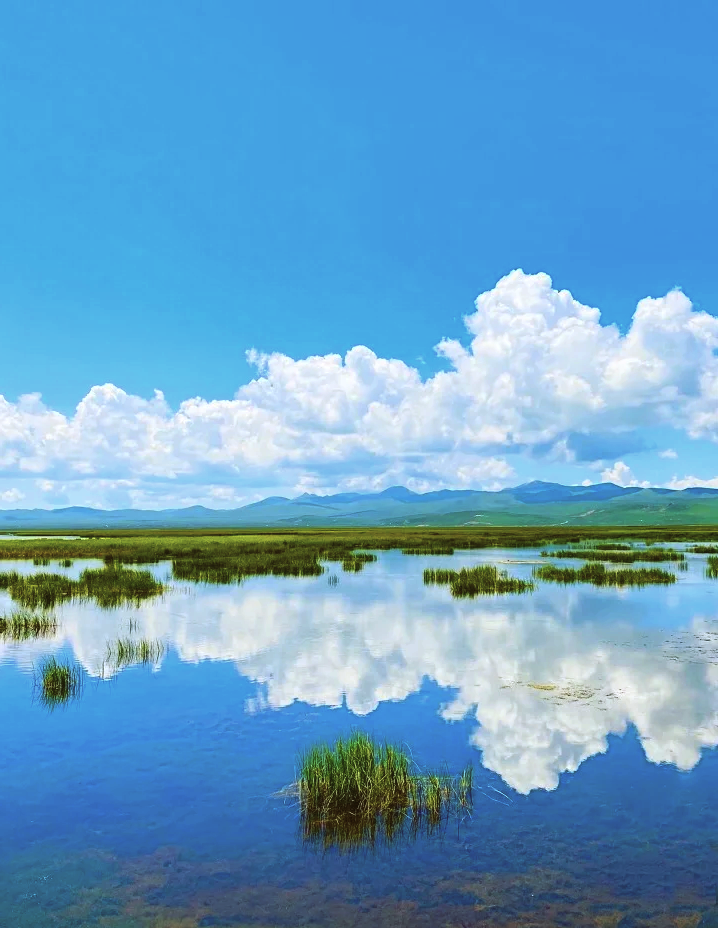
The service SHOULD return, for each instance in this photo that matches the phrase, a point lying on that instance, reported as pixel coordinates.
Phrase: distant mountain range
(535, 503)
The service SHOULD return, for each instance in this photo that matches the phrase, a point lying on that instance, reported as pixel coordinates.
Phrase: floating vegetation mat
(359, 792)
(58, 683)
(477, 581)
(598, 575)
(108, 587)
(712, 568)
(24, 624)
(126, 651)
(618, 556)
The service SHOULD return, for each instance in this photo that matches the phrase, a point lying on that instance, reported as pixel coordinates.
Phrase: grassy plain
(153, 545)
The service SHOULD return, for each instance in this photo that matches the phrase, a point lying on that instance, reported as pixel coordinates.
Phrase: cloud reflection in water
(546, 677)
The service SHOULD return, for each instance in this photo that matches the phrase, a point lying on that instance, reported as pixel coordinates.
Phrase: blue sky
(183, 182)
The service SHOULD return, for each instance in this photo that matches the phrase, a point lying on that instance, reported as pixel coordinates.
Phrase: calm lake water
(591, 716)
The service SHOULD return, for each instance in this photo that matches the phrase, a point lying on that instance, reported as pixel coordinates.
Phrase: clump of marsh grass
(618, 556)
(24, 624)
(332, 580)
(358, 791)
(606, 545)
(41, 561)
(125, 651)
(356, 562)
(429, 549)
(485, 579)
(215, 568)
(703, 549)
(66, 562)
(598, 575)
(712, 568)
(58, 682)
(108, 587)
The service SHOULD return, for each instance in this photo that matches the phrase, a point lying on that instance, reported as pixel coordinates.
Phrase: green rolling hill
(535, 503)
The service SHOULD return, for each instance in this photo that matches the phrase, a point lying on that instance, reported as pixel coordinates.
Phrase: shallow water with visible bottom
(591, 717)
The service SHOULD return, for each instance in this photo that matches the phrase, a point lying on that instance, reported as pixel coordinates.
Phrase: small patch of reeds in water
(598, 575)
(24, 624)
(618, 557)
(712, 567)
(486, 579)
(608, 545)
(703, 549)
(41, 561)
(215, 568)
(429, 549)
(354, 563)
(57, 682)
(360, 791)
(108, 587)
(126, 651)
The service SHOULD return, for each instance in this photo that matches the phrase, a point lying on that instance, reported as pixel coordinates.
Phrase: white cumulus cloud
(622, 475)
(535, 368)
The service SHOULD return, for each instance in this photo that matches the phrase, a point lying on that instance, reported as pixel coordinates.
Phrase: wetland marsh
(188, 773)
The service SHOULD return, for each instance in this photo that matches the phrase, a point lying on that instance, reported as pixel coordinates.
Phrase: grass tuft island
(359, 790)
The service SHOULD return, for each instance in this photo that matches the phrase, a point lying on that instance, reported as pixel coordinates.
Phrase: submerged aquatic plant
(108, 587)
(358, 791)
(598, 575)
(126, 651)
(485, 579)
(24, 624)
(58, 682)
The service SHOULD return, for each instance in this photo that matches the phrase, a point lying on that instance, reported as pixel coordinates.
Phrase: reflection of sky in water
(172, 773)
(544, 679)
